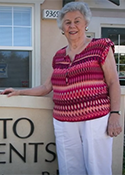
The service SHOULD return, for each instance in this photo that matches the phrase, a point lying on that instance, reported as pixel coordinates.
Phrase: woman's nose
(72, 24)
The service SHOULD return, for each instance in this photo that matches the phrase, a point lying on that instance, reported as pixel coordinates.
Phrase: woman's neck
(75, 47)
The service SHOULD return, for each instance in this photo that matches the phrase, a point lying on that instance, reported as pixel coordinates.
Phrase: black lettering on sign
(45, 173)
(23, 157)
(15, 126)
(51, 152)
(2, 144)
(36, 150)
(47, 13)
(51, 13)
(5, 126)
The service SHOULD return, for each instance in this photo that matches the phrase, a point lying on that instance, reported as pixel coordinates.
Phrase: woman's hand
(36, 91)
(114, 127)
(10, 92)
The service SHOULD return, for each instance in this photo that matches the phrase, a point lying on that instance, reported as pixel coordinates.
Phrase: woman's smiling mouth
(72, 33)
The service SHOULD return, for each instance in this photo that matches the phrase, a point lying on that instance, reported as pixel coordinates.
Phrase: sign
(27, 143)
(50, 14)
(35, 146)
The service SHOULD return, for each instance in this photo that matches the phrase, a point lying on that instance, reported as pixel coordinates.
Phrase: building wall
(51, 38)
(106, 18)
(104, 13)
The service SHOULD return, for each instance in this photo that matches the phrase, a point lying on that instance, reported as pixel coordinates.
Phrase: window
(120, 62)
(14, 68)
(15, 46)
(15, 26)
(117, 35)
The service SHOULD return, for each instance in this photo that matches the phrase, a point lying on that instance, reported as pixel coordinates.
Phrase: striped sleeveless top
(79, 89)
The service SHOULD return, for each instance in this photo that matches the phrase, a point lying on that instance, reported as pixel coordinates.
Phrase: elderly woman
(86, 94)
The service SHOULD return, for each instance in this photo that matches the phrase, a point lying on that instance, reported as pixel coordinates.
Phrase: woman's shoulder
(103, 45)
(59, 56)
(61, 52)
(103, 41)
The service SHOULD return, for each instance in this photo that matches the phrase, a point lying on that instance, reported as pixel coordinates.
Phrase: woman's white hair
(82, 7)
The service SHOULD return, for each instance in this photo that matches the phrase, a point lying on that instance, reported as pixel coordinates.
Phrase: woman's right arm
(36, 91)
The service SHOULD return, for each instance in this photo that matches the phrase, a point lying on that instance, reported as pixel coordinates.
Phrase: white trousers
(83, 148)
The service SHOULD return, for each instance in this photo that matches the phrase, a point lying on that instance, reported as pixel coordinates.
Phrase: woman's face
(74, 25)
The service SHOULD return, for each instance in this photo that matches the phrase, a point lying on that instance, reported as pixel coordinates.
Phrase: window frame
(32, 29)
(119, 49)
(24, 48)
(36, 47)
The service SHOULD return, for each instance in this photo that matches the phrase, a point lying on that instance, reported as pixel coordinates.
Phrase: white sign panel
(27, 142)
(50, 14)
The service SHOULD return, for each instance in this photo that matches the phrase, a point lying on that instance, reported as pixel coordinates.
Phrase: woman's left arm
(112, 80)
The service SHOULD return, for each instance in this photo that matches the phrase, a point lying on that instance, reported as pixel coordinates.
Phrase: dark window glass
(117, 35)
(14, 68)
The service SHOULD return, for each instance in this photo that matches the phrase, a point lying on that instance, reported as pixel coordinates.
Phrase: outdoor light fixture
(67, 1)
(117, 2)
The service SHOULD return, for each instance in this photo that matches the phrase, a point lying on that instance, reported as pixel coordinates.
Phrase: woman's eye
(76, 22)
(67, 23)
